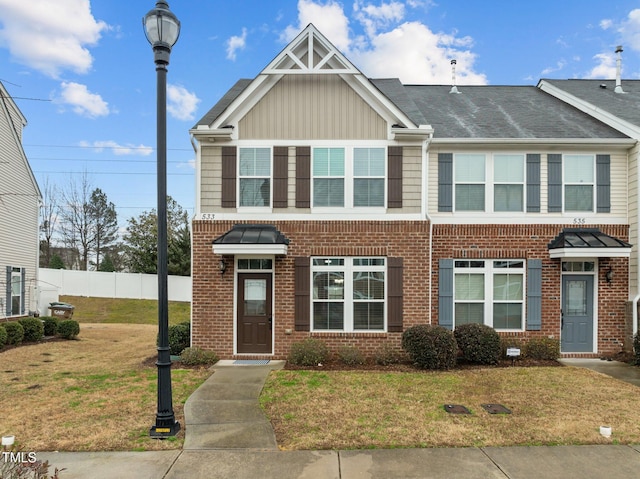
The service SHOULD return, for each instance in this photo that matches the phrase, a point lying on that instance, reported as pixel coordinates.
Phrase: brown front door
(254, 313)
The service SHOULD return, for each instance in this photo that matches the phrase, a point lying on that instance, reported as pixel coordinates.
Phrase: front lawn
(355, 410)
(96, 393)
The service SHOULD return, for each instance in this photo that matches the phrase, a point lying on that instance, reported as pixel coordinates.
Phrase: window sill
(347, 334)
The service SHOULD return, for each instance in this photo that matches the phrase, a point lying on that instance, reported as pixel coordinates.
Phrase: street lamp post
(162, 29)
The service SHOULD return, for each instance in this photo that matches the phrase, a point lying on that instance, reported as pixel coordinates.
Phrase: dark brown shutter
(394, 168)
(229, 176)
(303, 177)
(394, 295)
(280, 176)
(302, 293)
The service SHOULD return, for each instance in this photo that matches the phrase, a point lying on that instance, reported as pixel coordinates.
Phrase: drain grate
(495, 409)
(456, 409)
(251, 362)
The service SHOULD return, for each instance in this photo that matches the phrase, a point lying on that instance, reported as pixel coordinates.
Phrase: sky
(82, 71)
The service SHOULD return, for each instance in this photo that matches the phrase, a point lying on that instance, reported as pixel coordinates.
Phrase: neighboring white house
(20, 200)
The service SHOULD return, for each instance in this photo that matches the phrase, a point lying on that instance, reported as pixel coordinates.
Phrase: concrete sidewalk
(228, 437)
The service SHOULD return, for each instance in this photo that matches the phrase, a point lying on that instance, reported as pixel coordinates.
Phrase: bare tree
(49, 219)
(75, 219)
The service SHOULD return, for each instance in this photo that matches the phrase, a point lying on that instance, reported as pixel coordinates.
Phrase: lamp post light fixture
(162, 29)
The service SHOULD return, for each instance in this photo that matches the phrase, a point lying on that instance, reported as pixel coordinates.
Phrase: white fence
(111, 285)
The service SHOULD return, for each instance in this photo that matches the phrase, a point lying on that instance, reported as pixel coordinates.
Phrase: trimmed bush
(310, 352)
(15, 332)
(430, 346)
(33, 329)
(50, 325)
(179, 337)
(479, 343)
(636, 348)
(68, 329)
(197, 356)
(543, 348)
(3, 336)
(350, 355)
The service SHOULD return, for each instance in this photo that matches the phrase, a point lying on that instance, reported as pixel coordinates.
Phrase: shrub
(479, 343)
(68, 328)
(543, 348)
(636, 348)
(33, 329)
(196, 356)
(430, 347)
(350, 355)
(179, 337)
(387, 354)
(15, 332)
(3, 336)
(310, 352)
(50, 325)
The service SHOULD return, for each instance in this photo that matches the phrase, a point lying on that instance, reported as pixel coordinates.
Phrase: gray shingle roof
(481, 112)
(224, 102)
(625, 106)
(503, 112)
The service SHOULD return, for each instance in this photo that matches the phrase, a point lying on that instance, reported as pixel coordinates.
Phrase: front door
(254, 313)
(577, 314)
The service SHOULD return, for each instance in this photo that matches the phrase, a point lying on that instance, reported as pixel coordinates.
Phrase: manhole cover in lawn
(495, 409)
(456, 409)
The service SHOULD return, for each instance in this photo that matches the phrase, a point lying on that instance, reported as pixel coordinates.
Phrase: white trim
(595, 275)
(580, 253)
(340, 214)
(610, 143)
(257, 249)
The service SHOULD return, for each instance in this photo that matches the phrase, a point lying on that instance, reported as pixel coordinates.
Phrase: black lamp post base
(162, 432)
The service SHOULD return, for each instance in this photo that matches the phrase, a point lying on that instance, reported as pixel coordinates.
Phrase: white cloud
(236, 43)
(181, 103)
(606, 23)
(50, 36)
(118, 149)
(409, 50)
(82, 101)
(329, 18)
(605, 68)
(630, 30)
(559, 66)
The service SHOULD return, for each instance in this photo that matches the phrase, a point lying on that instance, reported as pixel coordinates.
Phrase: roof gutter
(610, 142)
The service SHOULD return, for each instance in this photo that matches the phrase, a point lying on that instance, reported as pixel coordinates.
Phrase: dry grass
(550, 406)
(91, 394)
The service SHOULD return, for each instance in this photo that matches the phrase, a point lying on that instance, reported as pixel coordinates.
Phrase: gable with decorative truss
(310, 52)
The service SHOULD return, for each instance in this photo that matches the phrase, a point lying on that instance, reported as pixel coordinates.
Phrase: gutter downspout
(425, 205)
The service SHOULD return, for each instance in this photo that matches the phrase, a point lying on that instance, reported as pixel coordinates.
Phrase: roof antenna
(454, 88)
(618, 88)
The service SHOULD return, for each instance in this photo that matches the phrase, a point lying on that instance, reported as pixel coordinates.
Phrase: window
(508, 182)
(368, 176)
(579, 180)
(469, 182)
(255, 177)
(489, 292)
(348, 294)
(255, 264)
(328, 177)
(16, 289)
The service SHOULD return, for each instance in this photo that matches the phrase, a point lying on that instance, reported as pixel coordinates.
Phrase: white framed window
(579, 182)
(469, 177)
(254, 177)
(489, 292)
(508, 182)
(328, 177)
(368, 176)
(16, 289)
(348, 294)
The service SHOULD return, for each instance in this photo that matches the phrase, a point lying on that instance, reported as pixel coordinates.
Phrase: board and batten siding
(210, 178)
(618, 172)
(312, 107)
(19, 206)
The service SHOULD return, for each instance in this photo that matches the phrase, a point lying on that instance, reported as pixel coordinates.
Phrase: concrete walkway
(228, 437)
